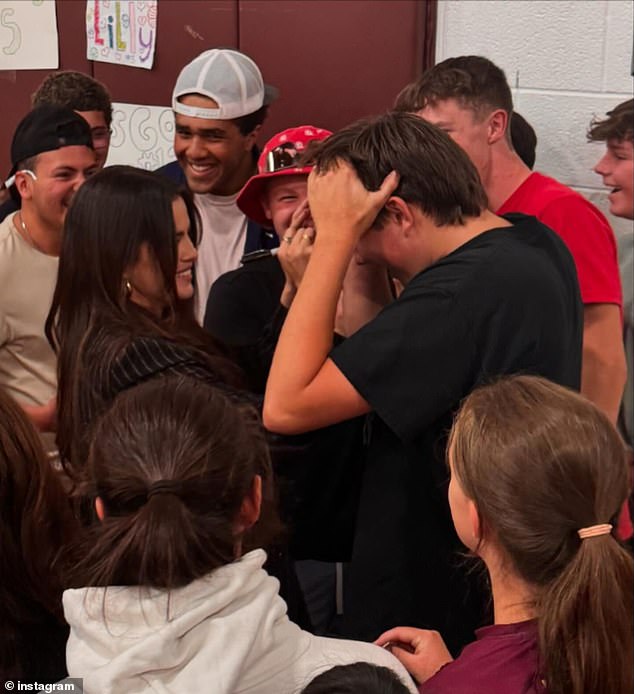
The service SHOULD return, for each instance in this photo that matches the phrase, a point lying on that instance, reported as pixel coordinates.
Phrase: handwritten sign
(142, 136)
(122, 32)
(28, 35)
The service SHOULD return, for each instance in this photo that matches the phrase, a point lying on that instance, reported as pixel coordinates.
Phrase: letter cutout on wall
(28, 35)
(142, 136)
(122, 32)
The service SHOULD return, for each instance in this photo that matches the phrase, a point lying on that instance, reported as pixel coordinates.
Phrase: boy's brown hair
(76, 91)
(619, 124)
(435, 173)
(473, 81)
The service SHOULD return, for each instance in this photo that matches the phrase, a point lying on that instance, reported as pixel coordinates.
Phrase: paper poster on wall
(122, 32)
(28, 35)
(142, 136)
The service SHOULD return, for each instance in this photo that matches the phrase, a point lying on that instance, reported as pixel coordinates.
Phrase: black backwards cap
(47, 128)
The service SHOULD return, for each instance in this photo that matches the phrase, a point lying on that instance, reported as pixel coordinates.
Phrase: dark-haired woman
(36, 524)
(122, 312)
(122, 309)
(171, 598)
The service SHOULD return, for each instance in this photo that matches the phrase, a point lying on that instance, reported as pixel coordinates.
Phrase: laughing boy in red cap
(243, 302)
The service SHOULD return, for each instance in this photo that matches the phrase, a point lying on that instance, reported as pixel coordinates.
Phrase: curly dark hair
(74, 90)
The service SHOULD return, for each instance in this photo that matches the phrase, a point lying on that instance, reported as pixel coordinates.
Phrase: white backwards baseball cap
(228, 77)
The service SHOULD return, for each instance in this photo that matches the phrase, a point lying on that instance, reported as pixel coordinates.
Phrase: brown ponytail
(585, 622)
(172, 462)
(540, 462)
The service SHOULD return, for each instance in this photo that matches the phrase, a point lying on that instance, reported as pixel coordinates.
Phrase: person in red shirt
(469, 98)
(561, 581)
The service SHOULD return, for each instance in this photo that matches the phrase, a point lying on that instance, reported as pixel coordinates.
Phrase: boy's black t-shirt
(505, 302)
(317, 473)
(241, 302)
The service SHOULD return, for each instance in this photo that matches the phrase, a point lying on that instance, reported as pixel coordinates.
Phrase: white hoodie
(223, 634)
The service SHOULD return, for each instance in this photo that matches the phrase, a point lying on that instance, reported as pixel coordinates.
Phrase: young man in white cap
(220, 102)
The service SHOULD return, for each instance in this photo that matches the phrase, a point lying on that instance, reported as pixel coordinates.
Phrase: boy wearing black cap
(51, 156)
(89, 99)
(220, 102)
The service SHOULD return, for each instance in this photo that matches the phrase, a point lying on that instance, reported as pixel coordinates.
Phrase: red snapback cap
(280, 157)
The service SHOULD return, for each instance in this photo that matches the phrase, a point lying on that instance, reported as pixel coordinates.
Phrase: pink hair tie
(594, 531)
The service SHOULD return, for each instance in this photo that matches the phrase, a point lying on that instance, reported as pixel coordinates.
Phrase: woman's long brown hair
(36, 524)
(540, 462)
(92, 320)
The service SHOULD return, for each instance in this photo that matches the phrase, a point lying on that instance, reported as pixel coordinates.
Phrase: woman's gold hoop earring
(127, 286)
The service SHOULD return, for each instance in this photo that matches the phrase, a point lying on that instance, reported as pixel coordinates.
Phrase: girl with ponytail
(172, 595)
(538, 476)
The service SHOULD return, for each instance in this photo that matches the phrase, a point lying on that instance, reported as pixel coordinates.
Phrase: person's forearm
(603, 367)
(303, 384)
(603, 379)
(287, 296)
(306, 337)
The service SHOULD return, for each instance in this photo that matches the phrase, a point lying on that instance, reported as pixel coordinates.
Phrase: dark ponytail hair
(541, 462)
(356, 677)
(172, 461)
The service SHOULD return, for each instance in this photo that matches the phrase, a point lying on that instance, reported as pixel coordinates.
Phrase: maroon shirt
(503, 659)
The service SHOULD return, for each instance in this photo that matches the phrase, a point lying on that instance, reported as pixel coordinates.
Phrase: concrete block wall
(566, 61)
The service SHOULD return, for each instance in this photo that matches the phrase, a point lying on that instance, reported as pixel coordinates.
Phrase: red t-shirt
(503, 658)
(590, 240)
(583, 229)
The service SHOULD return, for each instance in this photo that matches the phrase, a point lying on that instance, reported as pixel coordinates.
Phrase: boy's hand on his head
(340, 204)
(421, 651)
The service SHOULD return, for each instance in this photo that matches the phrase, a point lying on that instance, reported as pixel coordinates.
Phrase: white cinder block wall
(566, 60)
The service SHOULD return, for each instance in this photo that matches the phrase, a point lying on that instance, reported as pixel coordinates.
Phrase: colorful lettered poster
(122, 32)
(28, 35)
(142, 136)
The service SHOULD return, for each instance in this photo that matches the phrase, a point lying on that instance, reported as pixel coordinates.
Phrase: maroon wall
(16, 86)
(332, 60)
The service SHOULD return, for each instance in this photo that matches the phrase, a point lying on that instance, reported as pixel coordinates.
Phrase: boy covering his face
(242, 302)
(483, 296)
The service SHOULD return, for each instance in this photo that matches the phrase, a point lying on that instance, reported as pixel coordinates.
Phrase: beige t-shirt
(224, 230)
(27, 283)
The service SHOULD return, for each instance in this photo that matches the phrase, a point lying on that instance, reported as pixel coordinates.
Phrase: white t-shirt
(224, 230)
(27, 283)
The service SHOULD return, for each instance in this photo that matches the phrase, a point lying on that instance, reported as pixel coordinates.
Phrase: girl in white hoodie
(170, 602)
